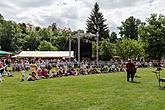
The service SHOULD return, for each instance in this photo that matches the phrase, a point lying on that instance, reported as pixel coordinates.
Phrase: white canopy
(46, 54)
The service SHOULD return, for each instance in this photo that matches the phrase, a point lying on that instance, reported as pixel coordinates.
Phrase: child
(1, 78)
(23, 74)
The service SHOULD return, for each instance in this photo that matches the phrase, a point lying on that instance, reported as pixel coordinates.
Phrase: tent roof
(46, 54)
(4, 52)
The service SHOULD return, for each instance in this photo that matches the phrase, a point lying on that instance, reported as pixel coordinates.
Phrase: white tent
(46, 54)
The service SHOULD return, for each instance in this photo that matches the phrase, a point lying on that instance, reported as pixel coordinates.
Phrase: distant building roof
(45, 54)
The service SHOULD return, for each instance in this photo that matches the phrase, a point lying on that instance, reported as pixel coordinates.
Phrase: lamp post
(69, 48)
(97, 48)
(68, 30)
(78, 40)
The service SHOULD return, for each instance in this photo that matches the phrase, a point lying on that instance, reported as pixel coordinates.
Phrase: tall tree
(107, 50)
(32, 40)
(113, 37)
(129, 28)
(96, 23)
(153, 34)
(7, 36)
(129, 48)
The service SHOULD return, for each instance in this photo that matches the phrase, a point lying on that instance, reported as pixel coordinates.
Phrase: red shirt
(130, 66)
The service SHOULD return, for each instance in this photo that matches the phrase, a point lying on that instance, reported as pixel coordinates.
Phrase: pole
(69, 49)
(97, 53)
(78, 39)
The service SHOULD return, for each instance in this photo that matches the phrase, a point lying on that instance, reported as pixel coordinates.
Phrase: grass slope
(91, 92)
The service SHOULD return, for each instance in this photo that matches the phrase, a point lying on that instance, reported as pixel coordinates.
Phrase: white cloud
(74, 13)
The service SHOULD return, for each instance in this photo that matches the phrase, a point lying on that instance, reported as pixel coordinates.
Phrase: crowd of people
(44, 68)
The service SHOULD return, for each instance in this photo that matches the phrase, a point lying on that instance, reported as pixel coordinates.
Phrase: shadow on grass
(162, 88)
(137, 76)
(135, 82)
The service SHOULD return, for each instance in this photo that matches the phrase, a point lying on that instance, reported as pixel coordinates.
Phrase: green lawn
(91, 92)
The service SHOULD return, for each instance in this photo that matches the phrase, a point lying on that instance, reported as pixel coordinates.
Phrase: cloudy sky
(74, 13)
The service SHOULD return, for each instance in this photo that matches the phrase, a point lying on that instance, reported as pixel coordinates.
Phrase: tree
(45, 34)
(61, 42)
(129, 48)
(129, 28)
(106, 50)
(54, 26)
(31, 41)
(7, 35)
(96, 23)
(152, 34)
(1, 18)
(113, 37)
(46, 46)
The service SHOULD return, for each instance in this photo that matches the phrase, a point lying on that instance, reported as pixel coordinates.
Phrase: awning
(5, 53)
(46, 54)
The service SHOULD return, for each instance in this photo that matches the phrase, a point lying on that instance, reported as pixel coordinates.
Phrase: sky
(74, 13)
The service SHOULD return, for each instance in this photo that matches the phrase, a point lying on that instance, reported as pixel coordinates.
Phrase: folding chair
(158, 76)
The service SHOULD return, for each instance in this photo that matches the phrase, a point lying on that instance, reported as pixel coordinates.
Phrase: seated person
(83, 71)
(72, 72)
(53, 75)
(30, 78)
(59, 73)
(34, 76)
(39, 71)
(45, 73)
(9, 74)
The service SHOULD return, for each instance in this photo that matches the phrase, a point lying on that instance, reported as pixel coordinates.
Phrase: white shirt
(23, 72)
(0, 75)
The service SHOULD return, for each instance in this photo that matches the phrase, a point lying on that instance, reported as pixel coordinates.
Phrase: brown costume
(130, 70)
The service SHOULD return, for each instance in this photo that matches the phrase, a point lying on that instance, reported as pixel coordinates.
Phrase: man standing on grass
(130, 70)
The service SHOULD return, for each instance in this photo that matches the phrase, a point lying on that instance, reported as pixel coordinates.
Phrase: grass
(91, 92)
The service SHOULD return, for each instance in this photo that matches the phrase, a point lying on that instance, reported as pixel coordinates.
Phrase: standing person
(23, 74)
(130, 70)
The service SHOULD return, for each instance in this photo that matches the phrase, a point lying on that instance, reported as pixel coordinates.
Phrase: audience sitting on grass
(43, 68)
(32, 77)
(53, 75)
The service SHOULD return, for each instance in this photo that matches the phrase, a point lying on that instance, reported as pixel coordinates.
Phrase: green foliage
(113, 37)
(151, 44)
(45, 34)
(32, 41)
(7, 35)
(46, 46)
(96, 23)
(129, 48)
(106, 49)
(129, 28)
(153, 35)
(60, 42)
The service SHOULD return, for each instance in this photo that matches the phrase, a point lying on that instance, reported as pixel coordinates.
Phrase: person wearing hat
(130, 70)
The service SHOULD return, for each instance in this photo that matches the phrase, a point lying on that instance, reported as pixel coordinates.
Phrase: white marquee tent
(45, 54)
